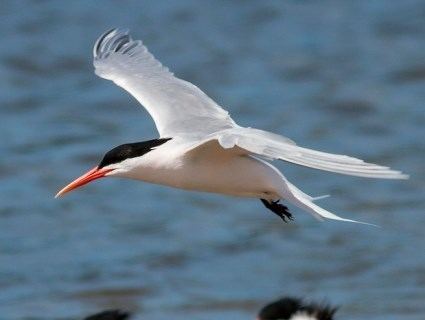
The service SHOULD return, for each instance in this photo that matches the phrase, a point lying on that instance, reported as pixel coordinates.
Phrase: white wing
(272, 146)
(180, 108)
(177, 106)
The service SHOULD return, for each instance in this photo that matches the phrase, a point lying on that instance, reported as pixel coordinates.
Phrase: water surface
(340, 76)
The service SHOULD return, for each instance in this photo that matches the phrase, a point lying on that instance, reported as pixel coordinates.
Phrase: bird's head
(289, 308)
(115, 162)
(109, 315)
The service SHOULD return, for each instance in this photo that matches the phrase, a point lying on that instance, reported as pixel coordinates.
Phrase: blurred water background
(340, 76)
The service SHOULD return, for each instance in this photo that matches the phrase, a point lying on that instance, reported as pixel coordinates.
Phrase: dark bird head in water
(295, 308)
(109, 315)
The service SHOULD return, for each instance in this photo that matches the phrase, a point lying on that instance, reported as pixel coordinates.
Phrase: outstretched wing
(262, 144)
(272, 146)
(177, 106)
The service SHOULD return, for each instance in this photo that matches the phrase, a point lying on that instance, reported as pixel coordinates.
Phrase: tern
(199, 146)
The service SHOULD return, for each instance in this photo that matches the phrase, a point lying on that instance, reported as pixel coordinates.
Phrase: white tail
(305, 202)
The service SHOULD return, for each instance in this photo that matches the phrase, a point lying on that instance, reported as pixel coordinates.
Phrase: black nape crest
(130, 150)
(285, 308)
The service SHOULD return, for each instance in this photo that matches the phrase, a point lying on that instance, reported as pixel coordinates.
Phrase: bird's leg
(279, 209)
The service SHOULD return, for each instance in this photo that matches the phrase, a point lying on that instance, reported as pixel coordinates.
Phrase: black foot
(279, 209)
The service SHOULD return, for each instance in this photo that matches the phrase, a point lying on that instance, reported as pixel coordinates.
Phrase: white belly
(242, 176)
(212, 169)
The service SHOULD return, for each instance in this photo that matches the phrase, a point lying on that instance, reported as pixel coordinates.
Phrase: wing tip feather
(111, 40)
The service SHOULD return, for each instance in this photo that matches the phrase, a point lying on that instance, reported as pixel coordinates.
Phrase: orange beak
(93, 174)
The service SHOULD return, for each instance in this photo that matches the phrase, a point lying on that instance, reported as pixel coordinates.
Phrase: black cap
(129, 150)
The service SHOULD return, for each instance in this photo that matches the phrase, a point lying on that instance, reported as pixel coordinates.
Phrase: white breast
(210, 169)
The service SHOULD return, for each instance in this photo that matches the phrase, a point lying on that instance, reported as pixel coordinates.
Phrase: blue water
(340, 76)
